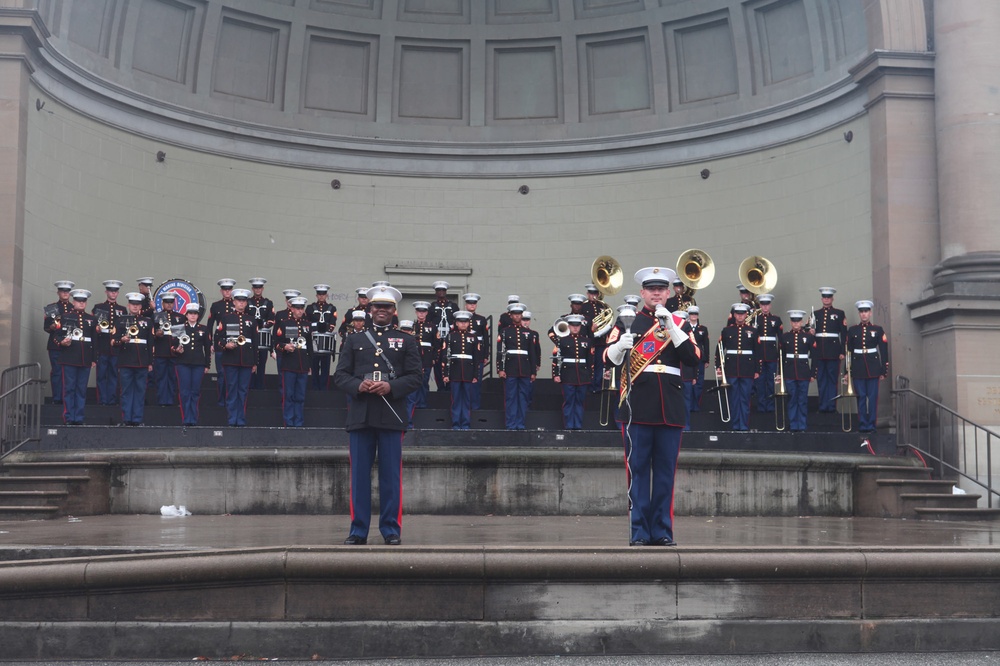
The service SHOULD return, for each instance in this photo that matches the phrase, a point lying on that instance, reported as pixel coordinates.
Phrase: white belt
(136, 341)
(479, 337)
(745, 352)
(467, 357)
(425, 344)
(663, 370)
(865, 351)
(767, 338)
(518, 351)
(828, 335)
(805, 356)
(574, 360)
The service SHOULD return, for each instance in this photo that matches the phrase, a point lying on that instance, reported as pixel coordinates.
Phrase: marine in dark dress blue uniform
(536, 346)
(193, 352)
(796, 349)
(135, 359)
(572, 369)
(739, 347)
(868, 346)
(378, 368)
(504, 320)
(480, 326)
(281, 316)
(702, 339)
(591, 310)
(52, 324)
(681, 300)
(653, 411)
(147, 308)
(463, 362)
(164, 367)
(293, 343)
(322, 316)
(830, 328)
(236, 341)
(109, 315)
(261, 309)
(429, 342)
(442, 315)
(769, 329)
(77, 354)
(361, 306)
(516, 366)
(216, 312)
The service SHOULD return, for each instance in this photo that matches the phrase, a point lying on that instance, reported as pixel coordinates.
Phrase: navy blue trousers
(365, 444)
(477, 389)
(651, 462)
(572, 407)
(237, 387)
(321, 371)
(189, 388)
(798, 403)
(74, 382)
(461, 404)
(739, 402)
(516, 392)
(133, 398)
(258, 378)
(699, 385)
(765, 386)
(867, 392)
(107, 380)
(55, 376)
(827, 376)
(165, 377)
(220, 378)
(293, 398)
(689, 400)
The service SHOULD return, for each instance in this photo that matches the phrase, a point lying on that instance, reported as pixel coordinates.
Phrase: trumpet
(781, 397)
(184, 339)
(104, 326)
(241, 341)
(300, 342)
(133, 330)
(844, 399)
(76, 334)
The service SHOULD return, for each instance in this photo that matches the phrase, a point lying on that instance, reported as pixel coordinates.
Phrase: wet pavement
(153, 532)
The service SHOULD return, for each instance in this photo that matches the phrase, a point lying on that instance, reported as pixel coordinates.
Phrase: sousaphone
(607, 275)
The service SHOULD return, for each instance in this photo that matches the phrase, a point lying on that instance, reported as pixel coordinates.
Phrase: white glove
(616, 352)
(662, 313)
(677, 336)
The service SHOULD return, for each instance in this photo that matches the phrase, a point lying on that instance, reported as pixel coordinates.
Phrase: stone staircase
(41, 490)
(898, 491)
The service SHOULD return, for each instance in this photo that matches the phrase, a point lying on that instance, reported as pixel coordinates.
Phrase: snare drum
(264, 338)
(323, 343)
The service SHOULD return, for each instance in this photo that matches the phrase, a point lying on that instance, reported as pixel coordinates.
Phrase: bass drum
(323, 343)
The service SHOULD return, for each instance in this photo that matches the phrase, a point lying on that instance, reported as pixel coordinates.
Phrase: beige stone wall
(99, 205)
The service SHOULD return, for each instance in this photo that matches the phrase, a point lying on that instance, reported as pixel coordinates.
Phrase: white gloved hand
(616, 352)
(662, 313)
(677, 335)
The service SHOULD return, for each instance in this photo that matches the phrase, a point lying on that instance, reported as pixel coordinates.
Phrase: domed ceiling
(415, 86)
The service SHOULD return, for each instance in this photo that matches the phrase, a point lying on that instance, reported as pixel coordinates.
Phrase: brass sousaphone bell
(696, 270)
(759, 276)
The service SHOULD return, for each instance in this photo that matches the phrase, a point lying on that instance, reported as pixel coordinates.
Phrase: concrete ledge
(471, 481)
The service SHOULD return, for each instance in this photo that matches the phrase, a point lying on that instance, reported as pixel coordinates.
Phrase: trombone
(725, 414)
(844, 399)
(781, 397)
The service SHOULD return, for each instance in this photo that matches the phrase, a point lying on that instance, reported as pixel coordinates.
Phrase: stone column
(20, 31)
(959, 313)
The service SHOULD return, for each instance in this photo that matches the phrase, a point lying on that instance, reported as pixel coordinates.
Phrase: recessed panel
(90, 24)
(783, 34)
(366, 8)
(706, 62)
(617, 76)
(338, 74)
(431, 83)
(525, 83)
(595, 8)
(521, 11)
(246, 60)
(435, 11)
(163, 39)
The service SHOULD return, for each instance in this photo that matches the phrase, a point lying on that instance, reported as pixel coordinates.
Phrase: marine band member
(739, 353)
(109, 318)
(52, 324)
(572, 368)
(796, 349)
(830, 329)
(77, 354)
(868, 346)
(193, 352)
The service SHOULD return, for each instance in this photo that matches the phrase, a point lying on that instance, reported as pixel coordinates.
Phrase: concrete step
(36, 512)
(963, 514)
(55, 468)
(912, 501)
(916, 485)
(32, 497)
(48, 482)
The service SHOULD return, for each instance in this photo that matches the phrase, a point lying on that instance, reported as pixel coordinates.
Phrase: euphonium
(607, 275)
(561, 327)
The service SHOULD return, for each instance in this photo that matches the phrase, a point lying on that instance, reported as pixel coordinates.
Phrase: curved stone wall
(460, 87)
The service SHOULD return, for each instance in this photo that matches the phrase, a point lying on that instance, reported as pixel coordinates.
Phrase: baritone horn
(607, 275)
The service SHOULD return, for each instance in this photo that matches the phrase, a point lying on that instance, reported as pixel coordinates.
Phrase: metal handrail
(942, 435)
(20, 406)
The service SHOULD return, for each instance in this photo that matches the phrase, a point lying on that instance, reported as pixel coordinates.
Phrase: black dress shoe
(393, 540)
(638, 542)
(664, 541)
(355, 540)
